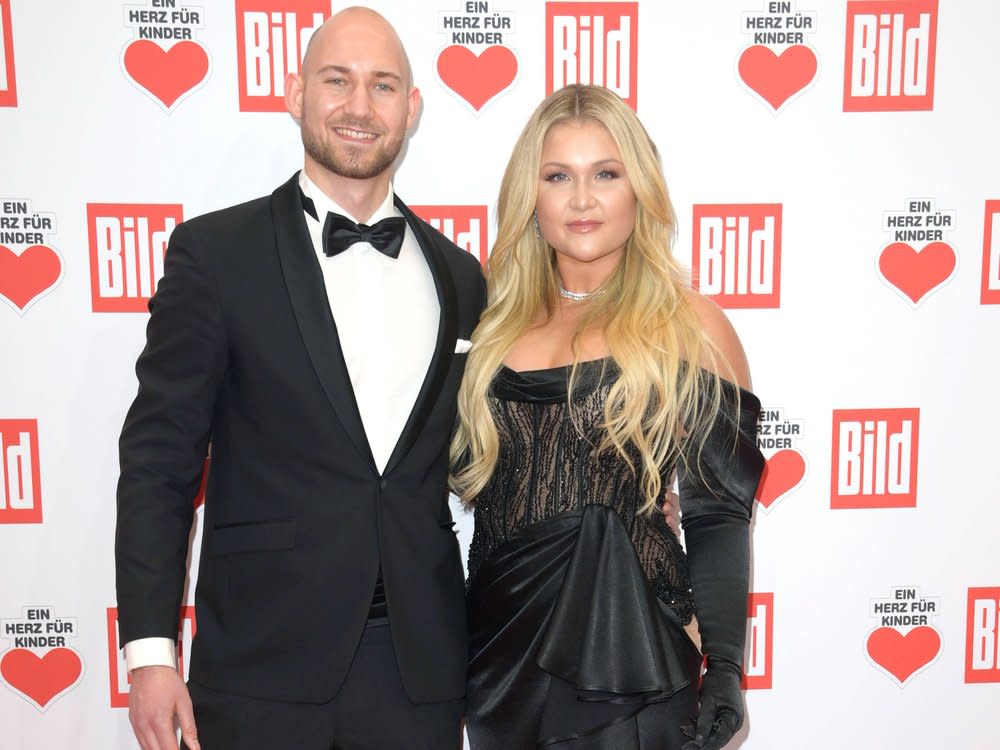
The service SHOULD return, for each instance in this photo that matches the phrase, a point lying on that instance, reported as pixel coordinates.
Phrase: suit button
(383, 484)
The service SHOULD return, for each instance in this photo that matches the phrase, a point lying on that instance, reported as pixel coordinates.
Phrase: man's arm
(162, 452)
(164, 442)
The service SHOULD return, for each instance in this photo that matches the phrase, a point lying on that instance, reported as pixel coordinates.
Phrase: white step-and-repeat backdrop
(836, 169)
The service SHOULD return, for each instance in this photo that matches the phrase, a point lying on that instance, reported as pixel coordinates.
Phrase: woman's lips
(583, 226)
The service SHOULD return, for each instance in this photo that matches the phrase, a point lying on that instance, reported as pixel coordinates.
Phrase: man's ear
(413, 106)
(293, 95)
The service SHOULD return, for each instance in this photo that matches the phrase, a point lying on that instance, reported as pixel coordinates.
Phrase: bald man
(315, 338)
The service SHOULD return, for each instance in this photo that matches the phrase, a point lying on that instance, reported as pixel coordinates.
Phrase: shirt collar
(325, 204)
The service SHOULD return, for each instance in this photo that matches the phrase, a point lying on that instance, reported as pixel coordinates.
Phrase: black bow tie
(386, 236)
(339, 232)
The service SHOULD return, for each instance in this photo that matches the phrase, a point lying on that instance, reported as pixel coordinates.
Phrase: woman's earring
(538, 229)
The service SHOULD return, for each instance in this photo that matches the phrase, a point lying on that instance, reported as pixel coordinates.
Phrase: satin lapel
(307, 292)
(443, 347)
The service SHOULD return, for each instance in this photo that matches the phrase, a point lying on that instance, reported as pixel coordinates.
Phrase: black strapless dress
(577, 601)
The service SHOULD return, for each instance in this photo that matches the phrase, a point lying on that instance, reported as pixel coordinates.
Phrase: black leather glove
(717, 489)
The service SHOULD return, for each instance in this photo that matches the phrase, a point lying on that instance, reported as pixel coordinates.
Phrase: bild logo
(21, 494)
(592, 43)
(982, 638)
(890, 55)
(8, 84)
(875, 455)
(271, 37)
(464, 225)
(990, 294)
(759, 640)
(127, 245)
(736, 254)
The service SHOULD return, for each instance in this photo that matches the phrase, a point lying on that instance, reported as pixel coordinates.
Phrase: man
(321, 360)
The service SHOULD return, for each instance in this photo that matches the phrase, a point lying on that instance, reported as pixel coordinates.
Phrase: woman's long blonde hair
(651, 328)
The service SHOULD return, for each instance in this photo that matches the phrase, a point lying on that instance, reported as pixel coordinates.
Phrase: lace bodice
(548, 465)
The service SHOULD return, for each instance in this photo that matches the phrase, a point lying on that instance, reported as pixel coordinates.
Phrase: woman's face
(585, 205)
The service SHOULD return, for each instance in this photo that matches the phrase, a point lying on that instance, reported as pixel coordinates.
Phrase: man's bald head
(350, 23)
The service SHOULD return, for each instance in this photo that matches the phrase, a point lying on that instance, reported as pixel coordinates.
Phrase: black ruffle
(730, 463)
(607, 631)
(567, 599)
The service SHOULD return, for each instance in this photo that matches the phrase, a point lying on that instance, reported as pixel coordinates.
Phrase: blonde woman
(594, 373)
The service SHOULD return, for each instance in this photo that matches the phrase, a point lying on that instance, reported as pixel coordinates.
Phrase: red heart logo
(25, 277)
(914, 272)
(41, 679)
(902, 655)
(777, 77)
(477, 78)
(166, 74)
(782, 473)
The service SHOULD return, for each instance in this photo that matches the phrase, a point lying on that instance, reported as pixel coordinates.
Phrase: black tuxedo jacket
(242, 351)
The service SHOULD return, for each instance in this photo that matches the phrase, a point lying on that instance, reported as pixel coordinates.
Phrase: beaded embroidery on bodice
(549, 464)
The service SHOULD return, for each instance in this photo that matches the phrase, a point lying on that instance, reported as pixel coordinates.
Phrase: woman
(593, 374)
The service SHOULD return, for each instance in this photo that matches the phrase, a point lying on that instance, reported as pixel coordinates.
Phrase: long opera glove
(717, 488)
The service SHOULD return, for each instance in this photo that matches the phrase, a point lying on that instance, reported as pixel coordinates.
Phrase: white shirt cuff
(150, 652)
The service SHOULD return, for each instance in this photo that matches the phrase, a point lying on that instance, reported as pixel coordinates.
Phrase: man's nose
(359, 103)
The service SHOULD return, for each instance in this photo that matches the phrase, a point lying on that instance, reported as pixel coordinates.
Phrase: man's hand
(672, 511)
(157, 699)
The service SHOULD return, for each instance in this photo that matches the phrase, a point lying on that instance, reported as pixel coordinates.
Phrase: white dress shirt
(387, 315)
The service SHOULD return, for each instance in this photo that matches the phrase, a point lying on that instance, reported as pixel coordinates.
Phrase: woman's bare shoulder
(721, 333)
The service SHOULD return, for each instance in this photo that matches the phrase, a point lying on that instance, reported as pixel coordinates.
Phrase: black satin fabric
(566, 600)
(549, 385)
(570, 646)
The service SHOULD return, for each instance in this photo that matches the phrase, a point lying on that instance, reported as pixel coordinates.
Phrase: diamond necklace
(578, 296)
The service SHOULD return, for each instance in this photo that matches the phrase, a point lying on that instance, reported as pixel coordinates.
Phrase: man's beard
(351, 163)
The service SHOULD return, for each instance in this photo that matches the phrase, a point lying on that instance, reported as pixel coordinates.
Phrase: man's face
(354, 99)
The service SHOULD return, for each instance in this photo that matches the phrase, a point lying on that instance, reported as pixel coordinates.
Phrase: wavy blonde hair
(649, 322)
